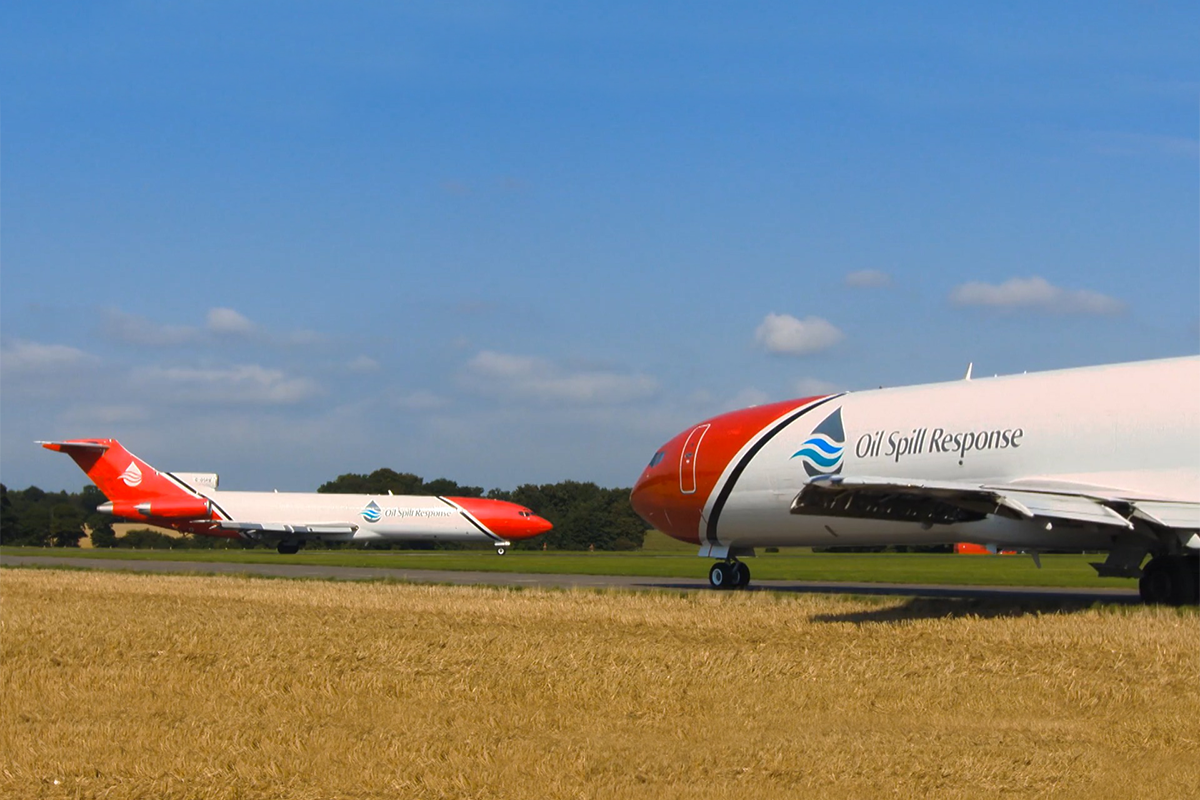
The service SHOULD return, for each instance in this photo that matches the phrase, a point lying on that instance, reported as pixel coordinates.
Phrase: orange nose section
(675, 486)
(506, 520)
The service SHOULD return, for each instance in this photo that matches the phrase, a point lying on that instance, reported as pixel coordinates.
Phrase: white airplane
(1099, 458)
(190, 502)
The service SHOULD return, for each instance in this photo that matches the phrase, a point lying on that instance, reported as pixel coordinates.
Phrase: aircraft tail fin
(123, 477)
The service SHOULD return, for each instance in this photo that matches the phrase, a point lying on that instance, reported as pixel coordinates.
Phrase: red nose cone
(506, 520)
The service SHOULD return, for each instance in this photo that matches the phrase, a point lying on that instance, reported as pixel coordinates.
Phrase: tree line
(585, 516)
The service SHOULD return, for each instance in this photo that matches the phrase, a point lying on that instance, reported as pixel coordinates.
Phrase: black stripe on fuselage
(710, 532)
(472, 520)
(196, 493)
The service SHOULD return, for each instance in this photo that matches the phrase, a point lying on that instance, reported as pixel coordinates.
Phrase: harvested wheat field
(130, 686)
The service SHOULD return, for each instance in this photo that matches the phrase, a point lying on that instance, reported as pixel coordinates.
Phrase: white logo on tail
(132, 475)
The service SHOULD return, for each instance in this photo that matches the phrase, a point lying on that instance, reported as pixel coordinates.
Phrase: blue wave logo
(822, 452)
(372, 512)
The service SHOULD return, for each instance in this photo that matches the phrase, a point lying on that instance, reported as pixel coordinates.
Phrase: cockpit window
(657, 458)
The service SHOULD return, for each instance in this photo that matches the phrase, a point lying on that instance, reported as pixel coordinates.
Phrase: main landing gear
(731, 574)
(1171, 580)
(289, 548)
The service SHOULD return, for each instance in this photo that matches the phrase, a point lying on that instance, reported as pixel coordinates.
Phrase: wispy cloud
(135, 330)
(784, 334)
(220, 324)
(813, 387)
(363, 364)
(227, 322)
(534, 378)
(21, 355)
(868, 279)
(1036, 294)
(243, 384)
(750, 396)
(419, 400)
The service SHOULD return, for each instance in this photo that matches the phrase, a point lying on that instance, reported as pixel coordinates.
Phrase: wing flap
(1076, 508)
(290, 529)
(949, 502)
(1185, 516)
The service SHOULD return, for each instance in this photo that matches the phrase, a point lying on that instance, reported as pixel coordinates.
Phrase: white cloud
(538, 379)
(107, 414)
(363, 364)
(20, 355)
(868, 279)
(132, 329)
(219, 324)
(813, 387)
(243, 384)
(227, 322)
(786, 335)
(747, 397)
(1035, 293)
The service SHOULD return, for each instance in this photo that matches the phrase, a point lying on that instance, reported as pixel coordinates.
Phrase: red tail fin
(123, 477)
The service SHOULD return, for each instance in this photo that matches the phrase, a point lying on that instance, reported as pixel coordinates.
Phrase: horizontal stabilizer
(66, 447)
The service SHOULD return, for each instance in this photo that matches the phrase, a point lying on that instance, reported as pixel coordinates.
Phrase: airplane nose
(641, 500)
(657, 500)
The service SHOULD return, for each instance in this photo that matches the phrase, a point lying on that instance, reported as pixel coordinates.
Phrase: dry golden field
(132, 686)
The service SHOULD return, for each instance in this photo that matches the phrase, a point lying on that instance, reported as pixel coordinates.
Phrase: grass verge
(1057, 570)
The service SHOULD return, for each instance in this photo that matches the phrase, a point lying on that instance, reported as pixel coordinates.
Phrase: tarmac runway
(627, 582)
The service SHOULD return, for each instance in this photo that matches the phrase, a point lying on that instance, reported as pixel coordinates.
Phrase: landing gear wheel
(501, 551)
(288, 549)
(741, 575)
(1170, 580)
(720, 575)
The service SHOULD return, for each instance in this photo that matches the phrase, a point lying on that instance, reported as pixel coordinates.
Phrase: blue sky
(522, 242)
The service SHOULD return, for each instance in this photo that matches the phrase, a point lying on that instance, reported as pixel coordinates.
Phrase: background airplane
(190, 502)
(1100, 458)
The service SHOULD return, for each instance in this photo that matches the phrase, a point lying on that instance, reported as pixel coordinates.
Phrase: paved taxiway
(292, 570)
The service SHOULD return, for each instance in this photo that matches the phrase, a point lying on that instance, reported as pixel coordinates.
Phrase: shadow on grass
(918, 608)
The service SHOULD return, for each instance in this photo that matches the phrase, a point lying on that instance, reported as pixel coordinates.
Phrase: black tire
(720, 577)
(1168, 581)
(501, 551)
(288, 549)
(1185, 580)
(741, 575)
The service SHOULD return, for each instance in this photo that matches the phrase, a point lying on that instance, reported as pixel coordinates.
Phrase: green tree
(382, 481)
(584, 515)
(66, 524)
(103, 534)
(10, 521)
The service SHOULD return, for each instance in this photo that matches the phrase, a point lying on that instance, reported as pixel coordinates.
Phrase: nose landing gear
(731, 574)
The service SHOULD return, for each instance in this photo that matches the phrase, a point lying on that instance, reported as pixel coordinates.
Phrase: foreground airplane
(189, 502)
(1098, 458)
